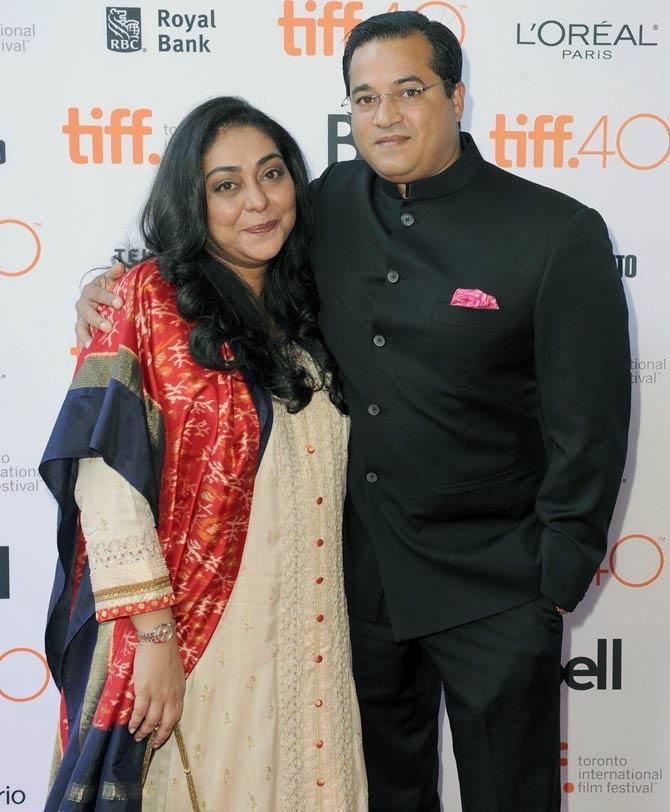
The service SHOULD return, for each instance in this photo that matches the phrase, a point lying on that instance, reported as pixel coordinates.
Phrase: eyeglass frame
(393, 95)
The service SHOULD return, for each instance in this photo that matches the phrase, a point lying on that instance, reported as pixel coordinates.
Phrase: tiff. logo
(86, 142)
(335, 15)
(545, 130)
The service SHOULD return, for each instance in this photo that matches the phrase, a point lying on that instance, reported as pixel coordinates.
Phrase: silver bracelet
(161, 634)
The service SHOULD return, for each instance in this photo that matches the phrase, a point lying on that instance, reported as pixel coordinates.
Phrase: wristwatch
(161, 634)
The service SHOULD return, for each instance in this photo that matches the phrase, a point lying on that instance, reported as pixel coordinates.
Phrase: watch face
(164, 633)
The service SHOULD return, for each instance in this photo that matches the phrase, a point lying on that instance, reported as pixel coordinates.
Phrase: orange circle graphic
(451, 8)
(38, 248)
(47, 674)
(653, 543)
(624, 158)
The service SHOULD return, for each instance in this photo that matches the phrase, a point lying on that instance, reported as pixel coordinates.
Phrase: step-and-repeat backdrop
(568, 94)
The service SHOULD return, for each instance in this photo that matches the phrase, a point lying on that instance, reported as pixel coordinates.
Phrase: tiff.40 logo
(97, 143)
(547, 138)
(318, 25)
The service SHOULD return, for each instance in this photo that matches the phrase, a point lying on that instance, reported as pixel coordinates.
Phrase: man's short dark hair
(447, 58)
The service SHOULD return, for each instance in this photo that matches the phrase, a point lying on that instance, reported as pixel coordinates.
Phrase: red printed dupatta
(188, 439)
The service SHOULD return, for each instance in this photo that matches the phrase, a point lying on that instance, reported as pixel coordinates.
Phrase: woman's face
(250, 198)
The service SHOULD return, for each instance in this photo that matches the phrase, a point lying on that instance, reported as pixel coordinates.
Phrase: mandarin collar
(450, 180)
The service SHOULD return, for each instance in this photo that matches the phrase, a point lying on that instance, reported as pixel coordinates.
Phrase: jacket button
(371, 477)
(393, 277)
(407, 219)
(379, 341)
(374, 409)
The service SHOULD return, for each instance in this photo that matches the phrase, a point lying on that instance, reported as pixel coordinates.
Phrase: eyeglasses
(364, 103)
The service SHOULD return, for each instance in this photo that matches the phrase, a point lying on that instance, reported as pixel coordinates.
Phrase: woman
(212, 386)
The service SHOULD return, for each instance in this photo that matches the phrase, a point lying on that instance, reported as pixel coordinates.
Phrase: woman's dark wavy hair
(261, 331)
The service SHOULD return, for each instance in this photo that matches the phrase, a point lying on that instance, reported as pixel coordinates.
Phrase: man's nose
(388, 111)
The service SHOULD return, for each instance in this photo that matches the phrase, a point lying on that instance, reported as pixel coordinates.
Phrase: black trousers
(501, 677)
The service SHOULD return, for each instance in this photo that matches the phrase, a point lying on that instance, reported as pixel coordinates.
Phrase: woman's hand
(96, 293)
(159, 682)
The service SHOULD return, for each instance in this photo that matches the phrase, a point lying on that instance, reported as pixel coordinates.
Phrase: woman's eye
(274, 174)
(225, 186)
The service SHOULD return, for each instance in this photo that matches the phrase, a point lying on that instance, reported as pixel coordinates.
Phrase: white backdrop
(571, 98)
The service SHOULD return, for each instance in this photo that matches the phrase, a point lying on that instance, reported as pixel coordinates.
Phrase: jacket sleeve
(582, 359)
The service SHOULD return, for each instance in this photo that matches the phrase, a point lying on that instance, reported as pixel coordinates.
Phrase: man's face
(403, 143)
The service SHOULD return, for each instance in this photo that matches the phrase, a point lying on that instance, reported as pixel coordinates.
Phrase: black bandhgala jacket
(487, 445)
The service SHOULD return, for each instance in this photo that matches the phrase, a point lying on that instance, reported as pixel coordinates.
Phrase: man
(481, 329)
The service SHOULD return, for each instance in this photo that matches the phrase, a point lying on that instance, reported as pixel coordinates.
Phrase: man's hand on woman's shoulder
(93, 295)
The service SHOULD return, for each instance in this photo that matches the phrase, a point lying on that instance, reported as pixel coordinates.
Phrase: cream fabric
(267, 726)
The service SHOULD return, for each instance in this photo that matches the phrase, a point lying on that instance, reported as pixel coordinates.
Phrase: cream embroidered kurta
(270, 716)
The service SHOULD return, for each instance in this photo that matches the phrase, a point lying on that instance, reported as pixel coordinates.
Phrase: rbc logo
(124, 29)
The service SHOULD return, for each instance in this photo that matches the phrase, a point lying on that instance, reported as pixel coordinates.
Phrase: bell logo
(20, 247)
(4, 573)
(335, 15)
(576, 672)
(86, 142)
(546, 129)
(341, 146)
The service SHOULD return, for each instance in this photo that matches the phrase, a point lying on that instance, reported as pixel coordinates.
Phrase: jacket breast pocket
(466, 317)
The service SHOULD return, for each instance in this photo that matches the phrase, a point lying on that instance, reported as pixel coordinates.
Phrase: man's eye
(364, 101)
(412, 92)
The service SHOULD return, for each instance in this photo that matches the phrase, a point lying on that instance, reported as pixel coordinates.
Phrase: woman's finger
(139, 711)
(151, 720)
(171, 715)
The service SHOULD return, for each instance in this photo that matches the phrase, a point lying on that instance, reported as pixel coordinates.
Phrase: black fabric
(501, 677)
(489, 472)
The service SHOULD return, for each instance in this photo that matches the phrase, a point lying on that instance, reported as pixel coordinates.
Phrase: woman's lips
(263, 228)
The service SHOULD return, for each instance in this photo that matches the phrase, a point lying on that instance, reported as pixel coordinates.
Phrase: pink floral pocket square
(475, 298)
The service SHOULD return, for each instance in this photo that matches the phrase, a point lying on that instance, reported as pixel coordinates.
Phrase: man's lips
(392, 140)
(263, 228)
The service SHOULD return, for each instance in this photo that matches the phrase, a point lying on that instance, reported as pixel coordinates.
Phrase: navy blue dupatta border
(100, 769)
